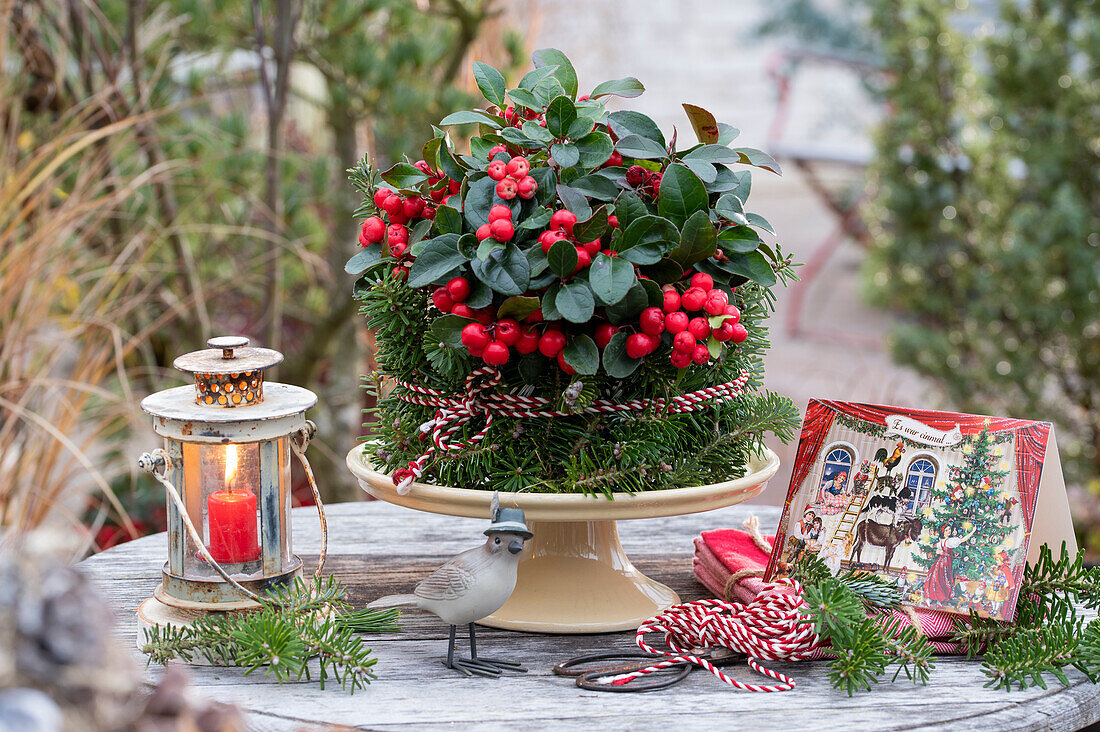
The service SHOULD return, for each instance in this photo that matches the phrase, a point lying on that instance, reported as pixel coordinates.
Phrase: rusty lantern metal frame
(230, 404)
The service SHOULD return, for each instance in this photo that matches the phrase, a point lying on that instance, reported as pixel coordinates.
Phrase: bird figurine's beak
(516, 546)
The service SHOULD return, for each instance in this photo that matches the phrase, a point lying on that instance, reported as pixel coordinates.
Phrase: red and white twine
(769, 628)
(454, 411)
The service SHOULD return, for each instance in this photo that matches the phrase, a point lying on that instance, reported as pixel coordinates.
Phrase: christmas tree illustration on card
(946, 506)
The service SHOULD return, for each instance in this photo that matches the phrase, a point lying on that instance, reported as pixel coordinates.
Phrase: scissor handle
(589, 678)
(570, 667)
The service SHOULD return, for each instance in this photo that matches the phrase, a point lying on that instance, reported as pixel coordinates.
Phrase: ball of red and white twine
(454, 411)
(769, 628)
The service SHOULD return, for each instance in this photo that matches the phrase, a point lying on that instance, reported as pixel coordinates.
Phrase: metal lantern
(225, 467)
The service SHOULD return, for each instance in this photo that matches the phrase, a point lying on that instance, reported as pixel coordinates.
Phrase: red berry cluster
(689, 334)
(500, 226)
(644, 180)
(561, 229)
(512, 177)
(494, 340)
(400, 211)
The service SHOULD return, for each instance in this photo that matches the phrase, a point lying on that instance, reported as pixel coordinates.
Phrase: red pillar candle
(232, 518)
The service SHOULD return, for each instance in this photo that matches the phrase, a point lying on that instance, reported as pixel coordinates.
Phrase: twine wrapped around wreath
(454, 411)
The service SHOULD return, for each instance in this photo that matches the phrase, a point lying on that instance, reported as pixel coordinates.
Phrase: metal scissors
(608, 677)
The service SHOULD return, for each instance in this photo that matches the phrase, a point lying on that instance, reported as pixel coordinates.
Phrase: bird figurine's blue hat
(507, 520)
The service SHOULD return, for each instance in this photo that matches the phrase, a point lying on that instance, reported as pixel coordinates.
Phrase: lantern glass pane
(221, 491)
(286, 497)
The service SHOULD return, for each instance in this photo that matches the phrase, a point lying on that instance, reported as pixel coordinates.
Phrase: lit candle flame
(230, 466)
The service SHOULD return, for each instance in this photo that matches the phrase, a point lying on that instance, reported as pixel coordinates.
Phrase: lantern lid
(227, 355)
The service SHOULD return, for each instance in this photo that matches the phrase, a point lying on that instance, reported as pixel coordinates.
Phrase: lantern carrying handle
(157, 463)
(299, 441)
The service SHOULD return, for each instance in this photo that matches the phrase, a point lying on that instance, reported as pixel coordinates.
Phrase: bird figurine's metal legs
(473, 664)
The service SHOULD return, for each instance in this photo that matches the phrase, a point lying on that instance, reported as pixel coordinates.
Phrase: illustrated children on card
(946, 506)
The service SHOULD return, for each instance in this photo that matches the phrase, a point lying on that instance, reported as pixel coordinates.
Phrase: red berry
(423, 167)
(496, 354)
(412, 207)
(723, 332)
(680, 360)
(438, 194)
(507, 331)
(527, 187)
(701, 354)
(399, 218)
(483, 232)
(428, 212)
(563, 219)
(547, 239)
(397, 249)
(613, 221)
(583, 259)
(693, 299)
(733, 314)
(614, 161)
(551, 343)
(500, 211)
(374, 230)
(462, 310)
(507, 189)
(740, 333)
(397, 234)
(564, 366)
(655, 183)
(699, 327)
(502, 229)
(475, 335)
(702, 280)
(676, 322)
(528, 341)
(535, 317)
(393, 204)
(496, 149)
(484, 315)
(458, 288)
(381, 195)
(672, 301)
(683, 342)
(604, 331)
(637, 345)
(652, 321)
(518, 168)
(400, 272)
(716, 302)
(592, 247)
(454, 186)
(442, 300)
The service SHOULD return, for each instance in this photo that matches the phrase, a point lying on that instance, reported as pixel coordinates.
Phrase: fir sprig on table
(310, 619)
(1048, 634)
(1047, 637)
(863, 645)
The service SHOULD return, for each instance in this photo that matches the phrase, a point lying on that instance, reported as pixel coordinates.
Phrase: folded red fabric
(731, 563)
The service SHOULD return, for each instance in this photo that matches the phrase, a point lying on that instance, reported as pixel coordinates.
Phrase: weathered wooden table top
(379, 549)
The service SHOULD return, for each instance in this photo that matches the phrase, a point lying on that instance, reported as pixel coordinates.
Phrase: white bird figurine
(473, 585)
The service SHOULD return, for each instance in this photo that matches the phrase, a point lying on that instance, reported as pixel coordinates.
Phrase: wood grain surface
(381, 549)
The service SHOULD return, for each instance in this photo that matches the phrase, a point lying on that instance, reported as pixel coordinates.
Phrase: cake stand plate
(574, 576)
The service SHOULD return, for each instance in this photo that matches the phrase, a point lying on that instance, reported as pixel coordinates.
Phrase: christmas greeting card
(947, 506)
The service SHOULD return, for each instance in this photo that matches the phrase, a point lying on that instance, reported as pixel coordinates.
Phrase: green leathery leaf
(364, 259)
(595, 148)
(738, 239)
(635, 301)
(505, 270)
(575, 302)
(682, 194)
(610, 278)
(581, 353)
(753, 265)
(448, 329)
(647, 238)
(628, 208)
(575, 201)
(518, 307)
(471, 117)
(448, 220)
(697, 240)
(593, 227)
(625, 123)
(536, 132)
(758, 159)
(562, 258)
(404, 175)
(730, 208)
(596, 186)
(564, 73)
(479, 199)
(490, 82)
(439, 257)
(565, 154)
(636, 146)
(524, 98)
(628, 88)
(560, 114)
